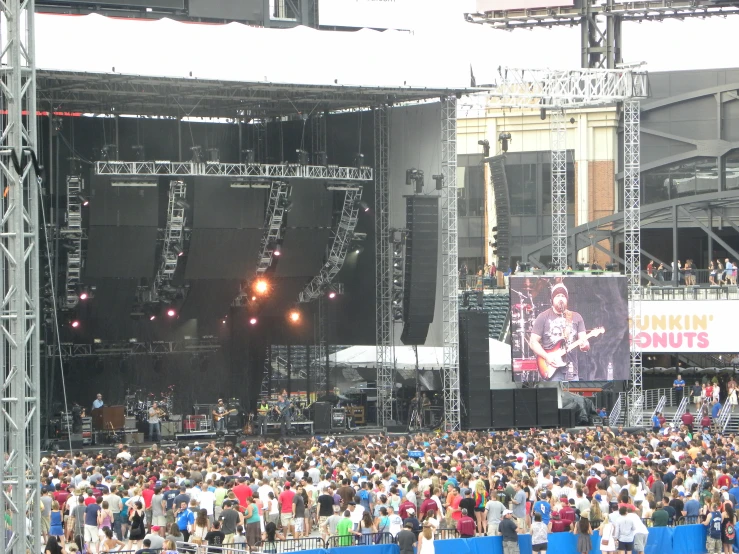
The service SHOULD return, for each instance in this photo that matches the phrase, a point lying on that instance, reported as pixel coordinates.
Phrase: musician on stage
(223, 412)
(262, 412)
(554, 325)
(98, 402)
(283, 407)
(155, 429)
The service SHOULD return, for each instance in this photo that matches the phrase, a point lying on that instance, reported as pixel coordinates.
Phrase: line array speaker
(421, 257)
(502, 207)
(321, 417)
(546, 403)
(524, 402)
(474, 369)
(501, 405)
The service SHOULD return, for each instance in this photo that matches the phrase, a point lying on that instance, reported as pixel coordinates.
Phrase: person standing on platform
(510, 533)
(155, 430)
(262, 411)
(98, 402)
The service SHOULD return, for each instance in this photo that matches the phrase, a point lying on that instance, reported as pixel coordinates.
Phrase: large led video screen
(569, 328)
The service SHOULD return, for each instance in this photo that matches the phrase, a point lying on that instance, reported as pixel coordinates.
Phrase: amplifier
(134, 438)
(175, 417)
(170, 428)
(130, 423)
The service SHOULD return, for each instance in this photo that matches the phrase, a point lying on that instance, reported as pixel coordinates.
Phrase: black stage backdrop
(600, 300)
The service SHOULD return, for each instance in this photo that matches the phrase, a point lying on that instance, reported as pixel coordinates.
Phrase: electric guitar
(559, 350)
(219, 417)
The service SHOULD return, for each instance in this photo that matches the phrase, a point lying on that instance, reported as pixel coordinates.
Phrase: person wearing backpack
(713, 536)
(728, 528)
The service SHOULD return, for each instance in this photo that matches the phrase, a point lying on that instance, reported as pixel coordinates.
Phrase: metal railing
(635, 414)
(476, 282)
(724, 415)
(291, 545)
(659, 407)
(615, 414)
(361, 540)
(680, 411)
(652, 397)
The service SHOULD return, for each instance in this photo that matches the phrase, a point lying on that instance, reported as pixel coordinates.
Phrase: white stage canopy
(429, 357)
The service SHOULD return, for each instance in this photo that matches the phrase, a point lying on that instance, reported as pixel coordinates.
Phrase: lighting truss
(566, 89)
(559, 188)
(20, 179)
(343, 235)
(216, 169)
(632, 248)
(398, 274)
(174, 235)
(72, 235)
(449, 264)
(187, 346)
(274, 223)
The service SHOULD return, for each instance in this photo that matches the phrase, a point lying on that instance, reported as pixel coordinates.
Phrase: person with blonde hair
(426, 540)
(608, 541)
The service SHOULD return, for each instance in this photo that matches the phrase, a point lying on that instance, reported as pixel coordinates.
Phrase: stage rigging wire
(54, 311)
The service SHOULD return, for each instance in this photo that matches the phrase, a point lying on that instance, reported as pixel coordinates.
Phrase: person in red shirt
(427, 504)
(403, 508)
(592, 483)
(724, 480)
(61, 495)
(687, 419)
(243, 491)
(558, 524)
(148, 493)
(90, 498)
(466, 525)
(286, 510)
(567, 513)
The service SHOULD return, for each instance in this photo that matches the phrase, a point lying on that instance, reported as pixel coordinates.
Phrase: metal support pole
(449, 264)
(19, 281)
(632, 250)
(675, 271)
(559, 188)
(383, 293)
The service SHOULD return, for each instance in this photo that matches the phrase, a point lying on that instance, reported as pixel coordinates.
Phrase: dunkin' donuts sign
(686, 326)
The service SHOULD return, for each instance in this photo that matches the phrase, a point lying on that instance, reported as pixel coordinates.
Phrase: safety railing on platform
(653, 396)
(615, 415)
(679, 412)
(724, 415)
(442, 534)
(659, 407)
(635, 413)
(290, 545)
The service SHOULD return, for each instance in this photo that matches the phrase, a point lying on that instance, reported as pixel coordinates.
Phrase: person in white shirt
(207, 501)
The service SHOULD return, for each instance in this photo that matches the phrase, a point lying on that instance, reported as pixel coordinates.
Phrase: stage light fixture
(84, 295)
(253, 321)
(171, 312)
(182, 203)
(84, 200)
(485, 147)
(332, 295)
(261, 286)
(277, 250)
(294, 316)
(439, 180)
(223, 321)
(504, 138)
(253, 298)
(363, 206)
(152, 317)
(75, 324)
(359, 249)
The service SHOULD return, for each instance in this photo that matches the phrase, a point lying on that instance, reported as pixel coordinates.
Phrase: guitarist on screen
(553, 326)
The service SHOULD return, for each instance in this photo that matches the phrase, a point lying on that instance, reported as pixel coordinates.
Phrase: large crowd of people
(410, 487)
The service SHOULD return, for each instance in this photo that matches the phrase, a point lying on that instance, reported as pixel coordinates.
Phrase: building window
(470, 186)
(687, 178)
(731, 171)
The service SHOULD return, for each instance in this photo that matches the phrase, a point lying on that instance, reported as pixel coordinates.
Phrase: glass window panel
(475, 190)
(522, 188)
(731, 171)
(686, 178)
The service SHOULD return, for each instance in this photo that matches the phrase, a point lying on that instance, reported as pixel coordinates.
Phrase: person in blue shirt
(715, 410)
(678, 385)
(98, 402)
(656, 425)
(543, 507)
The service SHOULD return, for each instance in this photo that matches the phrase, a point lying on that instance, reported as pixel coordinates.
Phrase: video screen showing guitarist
(555, 328)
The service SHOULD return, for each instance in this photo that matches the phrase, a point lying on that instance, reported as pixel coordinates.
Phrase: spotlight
(171, 312)
(152, 317)
(84, 295)
(439, 179)
(223, 321)
(287, 206)
(75, 324)
(359, 249)
(363, 206)
(253, 298)
(485, 147)
(84, 200)
(261, 286)
(182, 203)
(253, 321)
(332, 295)
(180, 252)
(277, 250)
(294, 316)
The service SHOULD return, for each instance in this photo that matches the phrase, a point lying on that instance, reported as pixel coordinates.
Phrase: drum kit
(139, 401)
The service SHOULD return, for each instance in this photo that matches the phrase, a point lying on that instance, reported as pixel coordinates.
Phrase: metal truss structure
(383, 297)
(632, 248)
(343, 235)
(174, 235)
(398, 273)
(20, 430)
(217, 169)
(321, 376)
(566, 89)
(449, 264)
(559, 188)
(71, 233)
(109, 349)
(600, 21)
(274, 223)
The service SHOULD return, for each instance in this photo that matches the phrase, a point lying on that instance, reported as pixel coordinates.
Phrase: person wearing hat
(509, 530)
(550, 328)
(406, 538)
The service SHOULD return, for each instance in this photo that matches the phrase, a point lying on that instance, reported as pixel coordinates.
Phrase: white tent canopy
(429, 357)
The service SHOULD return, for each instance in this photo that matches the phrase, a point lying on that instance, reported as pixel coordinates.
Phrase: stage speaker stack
(501, 406)
(567, 418)
(524, 404)
(474, 369)
(547, 407)
(502, 208)
(421, 258)
(321, 417)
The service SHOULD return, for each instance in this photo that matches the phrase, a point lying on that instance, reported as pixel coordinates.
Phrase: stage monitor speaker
(321, 417)
(503, 209)
(546, 403)
(567, 418)
(421, 258)
(501, 405)
(474, 369)
(524, 404)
